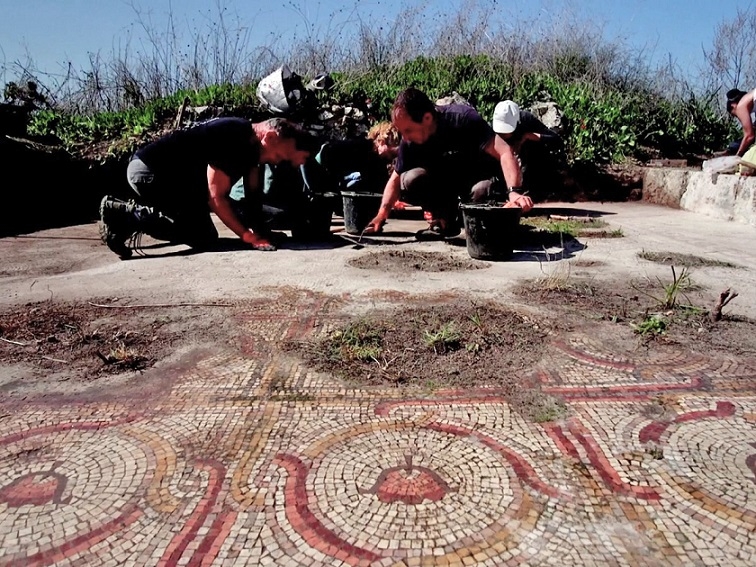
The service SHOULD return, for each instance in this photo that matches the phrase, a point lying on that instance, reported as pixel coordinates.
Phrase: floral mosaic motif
(409, 484)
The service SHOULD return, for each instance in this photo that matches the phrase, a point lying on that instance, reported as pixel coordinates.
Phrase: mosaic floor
(251, 460)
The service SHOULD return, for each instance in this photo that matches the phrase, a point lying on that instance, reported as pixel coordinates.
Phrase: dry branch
(13, 342)
(181, 112)
(159, 305)
(724, 298)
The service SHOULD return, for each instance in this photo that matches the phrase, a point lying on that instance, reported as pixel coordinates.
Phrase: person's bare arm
(743, 113)
(219, 185)
(391, 194)
(510, 167)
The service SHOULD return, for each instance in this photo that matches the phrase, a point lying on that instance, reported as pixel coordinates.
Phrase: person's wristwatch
(514, 190)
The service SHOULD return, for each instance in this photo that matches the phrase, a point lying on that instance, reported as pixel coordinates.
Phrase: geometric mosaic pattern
(249, 459)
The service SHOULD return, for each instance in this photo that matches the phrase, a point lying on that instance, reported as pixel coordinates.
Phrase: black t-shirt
(460, 138)
(227, 144)
(529, 123)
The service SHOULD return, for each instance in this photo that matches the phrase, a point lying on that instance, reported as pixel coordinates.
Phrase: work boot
(122, 221)
(117, 224)
(438, 229)
(436, 233)
(122, 224)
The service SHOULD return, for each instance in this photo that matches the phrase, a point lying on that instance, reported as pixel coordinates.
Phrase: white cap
(506, 117)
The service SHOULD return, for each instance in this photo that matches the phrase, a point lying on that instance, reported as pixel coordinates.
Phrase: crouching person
(539, 150)
(448, 154)
(183, 177)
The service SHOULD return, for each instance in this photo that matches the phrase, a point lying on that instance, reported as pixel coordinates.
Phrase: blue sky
(57, 31)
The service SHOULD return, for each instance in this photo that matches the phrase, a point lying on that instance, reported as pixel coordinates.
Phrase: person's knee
(481, 191)
(139, 177)
(412, 179)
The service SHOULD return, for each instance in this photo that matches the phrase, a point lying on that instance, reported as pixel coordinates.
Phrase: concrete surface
(71, 263)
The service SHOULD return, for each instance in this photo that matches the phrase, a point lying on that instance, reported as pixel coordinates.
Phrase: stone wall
(725, 196)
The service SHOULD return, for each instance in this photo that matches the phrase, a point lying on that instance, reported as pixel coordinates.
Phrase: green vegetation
(573, 228)
(446, 338)
(546, 408)
(603, 124)
(668, 301)
(121, 128)
(359, 341)
(672, 290)
(615, 106)
(652, 325)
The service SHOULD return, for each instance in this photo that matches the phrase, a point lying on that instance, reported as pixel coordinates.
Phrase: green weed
(476, 319)
(445, 339)
(550, 409)
(671, 291)
(652, 325)
(358, 341)
(573, 228)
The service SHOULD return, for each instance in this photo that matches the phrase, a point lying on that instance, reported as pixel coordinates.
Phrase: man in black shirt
(447, 153)
(539, 150)
(180, 178)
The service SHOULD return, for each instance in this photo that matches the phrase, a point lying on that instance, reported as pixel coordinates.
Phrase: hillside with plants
(617, 108)
(605, 121)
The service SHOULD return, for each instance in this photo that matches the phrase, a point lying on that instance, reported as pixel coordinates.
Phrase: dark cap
(734, 95)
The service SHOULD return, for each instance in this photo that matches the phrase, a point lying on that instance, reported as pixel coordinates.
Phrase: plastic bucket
(316, 225)
(491, 230)
(359, 210)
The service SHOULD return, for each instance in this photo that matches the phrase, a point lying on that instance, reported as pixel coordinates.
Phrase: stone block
(664, 186)
(725, 196)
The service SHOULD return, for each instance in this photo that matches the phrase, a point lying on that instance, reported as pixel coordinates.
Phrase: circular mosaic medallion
(716, 458)
(413, 486)
(65, 484)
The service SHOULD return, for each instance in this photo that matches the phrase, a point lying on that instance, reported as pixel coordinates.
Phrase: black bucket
(491, 230)
(316, 225)
(359, 210)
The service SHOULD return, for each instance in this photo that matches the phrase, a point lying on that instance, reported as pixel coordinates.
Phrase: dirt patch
(453, 345)
(414, 260)
(561, 227)
(588, 263)
(45, 344)
(686, 260)
(655, 316)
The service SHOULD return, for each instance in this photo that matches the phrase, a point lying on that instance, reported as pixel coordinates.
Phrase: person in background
(447, 153)
(539, 150)
(386, 141)
(740, 105)
(292, 197)
(182, 177)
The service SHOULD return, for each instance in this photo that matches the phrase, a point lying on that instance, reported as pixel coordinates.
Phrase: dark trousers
(185, 211)
(543, 165)
(440, 192)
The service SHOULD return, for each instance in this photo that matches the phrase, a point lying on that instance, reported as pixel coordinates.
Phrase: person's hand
(522, 201)
(375, 226)
(257, 242)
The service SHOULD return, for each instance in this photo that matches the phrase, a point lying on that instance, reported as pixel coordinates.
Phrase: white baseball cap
(506, 117)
